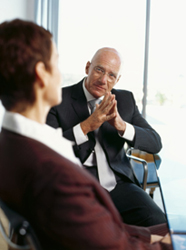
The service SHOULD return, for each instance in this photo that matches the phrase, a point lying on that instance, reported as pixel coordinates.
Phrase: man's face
(102, 73)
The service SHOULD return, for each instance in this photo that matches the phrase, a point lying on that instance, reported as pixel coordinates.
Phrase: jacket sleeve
(57, 119)
(52, 118)
(146, 138)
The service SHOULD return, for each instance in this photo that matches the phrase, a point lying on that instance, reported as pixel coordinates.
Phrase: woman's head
(22, 45)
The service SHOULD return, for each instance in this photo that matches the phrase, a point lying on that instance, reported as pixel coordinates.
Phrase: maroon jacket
(64, 204)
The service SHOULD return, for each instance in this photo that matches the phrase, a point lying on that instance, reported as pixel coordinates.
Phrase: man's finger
(110, 116)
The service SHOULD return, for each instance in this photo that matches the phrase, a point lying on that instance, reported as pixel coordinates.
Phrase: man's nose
(104, 78)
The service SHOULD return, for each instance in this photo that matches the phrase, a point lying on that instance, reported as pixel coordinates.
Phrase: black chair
(21, 236)
(145, 167)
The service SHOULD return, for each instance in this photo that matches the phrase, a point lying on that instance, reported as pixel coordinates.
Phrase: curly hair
(22, 45)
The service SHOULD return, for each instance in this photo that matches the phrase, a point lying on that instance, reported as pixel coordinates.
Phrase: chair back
(21, 235)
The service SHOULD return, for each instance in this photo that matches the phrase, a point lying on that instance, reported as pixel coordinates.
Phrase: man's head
(103, 72)
(22, 45)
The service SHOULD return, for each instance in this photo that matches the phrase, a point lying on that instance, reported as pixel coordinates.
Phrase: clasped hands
(105, 111)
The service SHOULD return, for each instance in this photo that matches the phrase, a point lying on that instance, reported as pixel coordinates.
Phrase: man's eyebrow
(100, 66)
(110, 72)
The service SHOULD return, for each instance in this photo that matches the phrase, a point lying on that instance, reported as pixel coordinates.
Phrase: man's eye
(112, 75)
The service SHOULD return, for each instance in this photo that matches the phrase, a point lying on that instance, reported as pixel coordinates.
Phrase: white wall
(11, 9)
(16, 9)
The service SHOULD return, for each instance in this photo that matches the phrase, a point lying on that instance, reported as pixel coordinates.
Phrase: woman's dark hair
(22, 45)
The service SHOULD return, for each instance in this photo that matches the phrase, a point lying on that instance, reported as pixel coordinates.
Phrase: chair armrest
(21, 235)
(144, 163)
(9, 242)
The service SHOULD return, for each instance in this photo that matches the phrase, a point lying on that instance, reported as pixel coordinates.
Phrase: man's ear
(87, 67)
(41, 73)
(118, 78)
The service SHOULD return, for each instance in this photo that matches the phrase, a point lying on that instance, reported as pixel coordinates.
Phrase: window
(166, 104)
(84, 27)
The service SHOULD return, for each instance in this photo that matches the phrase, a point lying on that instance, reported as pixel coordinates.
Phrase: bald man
(99, 120)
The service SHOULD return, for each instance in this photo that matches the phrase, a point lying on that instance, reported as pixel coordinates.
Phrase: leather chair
(145, 167)
(21, 236)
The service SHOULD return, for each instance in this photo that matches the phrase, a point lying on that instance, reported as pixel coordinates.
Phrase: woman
(65, 205)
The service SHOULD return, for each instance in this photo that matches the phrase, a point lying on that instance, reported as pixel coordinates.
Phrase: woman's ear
(41, 73)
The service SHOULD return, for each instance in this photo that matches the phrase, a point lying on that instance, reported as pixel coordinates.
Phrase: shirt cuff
(79, 135)
(129, 132)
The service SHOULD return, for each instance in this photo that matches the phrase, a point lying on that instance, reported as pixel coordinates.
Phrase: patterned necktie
(106, 176)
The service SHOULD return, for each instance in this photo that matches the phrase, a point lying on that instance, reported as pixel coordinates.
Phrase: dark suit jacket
(73, 110)
(65, 205)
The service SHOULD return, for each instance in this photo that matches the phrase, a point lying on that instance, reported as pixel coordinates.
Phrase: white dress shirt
(43, 133)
